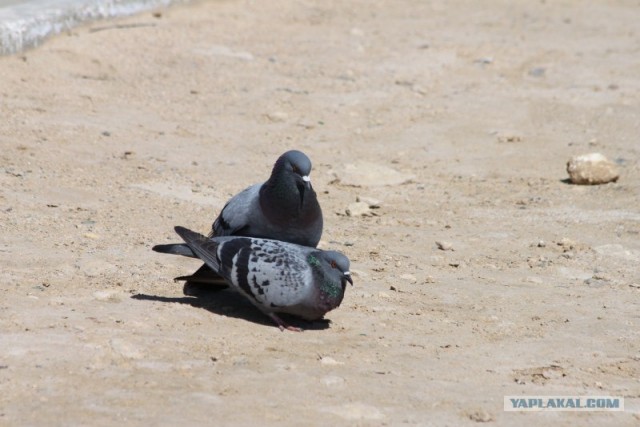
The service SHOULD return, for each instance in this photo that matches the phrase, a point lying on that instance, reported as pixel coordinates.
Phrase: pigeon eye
(333, 264)
(295, 169)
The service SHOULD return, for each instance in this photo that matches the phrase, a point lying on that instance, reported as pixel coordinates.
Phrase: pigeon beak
(347, 277)
(307, 181)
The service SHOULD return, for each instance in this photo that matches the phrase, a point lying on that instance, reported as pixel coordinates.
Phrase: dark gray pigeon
(277, 277)
(283, 208)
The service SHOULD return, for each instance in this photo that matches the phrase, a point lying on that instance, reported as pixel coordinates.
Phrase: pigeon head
(292, 168)
(298, 164)
(338, 263)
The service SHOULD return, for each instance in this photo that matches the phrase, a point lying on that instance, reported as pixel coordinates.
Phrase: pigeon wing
(204, 247)
(271, 273)
(240, 213)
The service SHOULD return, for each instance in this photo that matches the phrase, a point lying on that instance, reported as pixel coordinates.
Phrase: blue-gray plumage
(276, 276)
(285, 208)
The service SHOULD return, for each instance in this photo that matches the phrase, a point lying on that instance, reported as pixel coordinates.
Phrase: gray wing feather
(175, 249)
(277, 273)
(202, 246)
(240, 212)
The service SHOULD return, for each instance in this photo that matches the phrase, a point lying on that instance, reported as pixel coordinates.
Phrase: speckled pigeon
(283, 208)
(277, 277)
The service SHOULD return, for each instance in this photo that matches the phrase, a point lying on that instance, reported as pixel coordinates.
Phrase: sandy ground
(114, 133)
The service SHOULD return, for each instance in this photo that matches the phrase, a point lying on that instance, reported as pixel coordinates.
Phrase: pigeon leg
(282, 325)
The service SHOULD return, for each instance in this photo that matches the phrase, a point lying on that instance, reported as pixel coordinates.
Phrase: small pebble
(329, 361)
(370, 201)
(409, 278)
(592, 169)
(443, 245)
(107, 296)
(358, 209)
(480, 416)
(277, 116)
(366, 174)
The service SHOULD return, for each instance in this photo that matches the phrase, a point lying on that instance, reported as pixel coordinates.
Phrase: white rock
(107, 296)
(366, 174)
(373, 203)
(592, 169)
(358, 209)
(330, 361)
(443, 245)
(409, 278)
(277, 116)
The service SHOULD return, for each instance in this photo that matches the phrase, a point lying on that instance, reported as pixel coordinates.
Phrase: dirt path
(109, 138)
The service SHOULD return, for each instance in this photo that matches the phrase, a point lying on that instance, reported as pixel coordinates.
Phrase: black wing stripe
(242, 271)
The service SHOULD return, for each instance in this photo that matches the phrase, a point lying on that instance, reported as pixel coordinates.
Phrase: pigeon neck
(330, 287)
(280, 194)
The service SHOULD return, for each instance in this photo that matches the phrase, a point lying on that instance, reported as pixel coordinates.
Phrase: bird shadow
(226, 302)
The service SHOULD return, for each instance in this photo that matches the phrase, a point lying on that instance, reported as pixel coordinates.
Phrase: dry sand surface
(119, 130)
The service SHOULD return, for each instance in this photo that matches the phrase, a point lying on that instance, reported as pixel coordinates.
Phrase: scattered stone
(542, 243)
(366, 174)
(540, 262)
(592, 169)
(107, 296)
(370, 201)
(329, 361)
(409, 278)
(484, 61)
(596, 282)
(480, 416)
(568, 245)
(429, 279)
(90, 235)
(443, 245)
(552, 372)
(508, 137)
(358, 209)
(277, 116)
